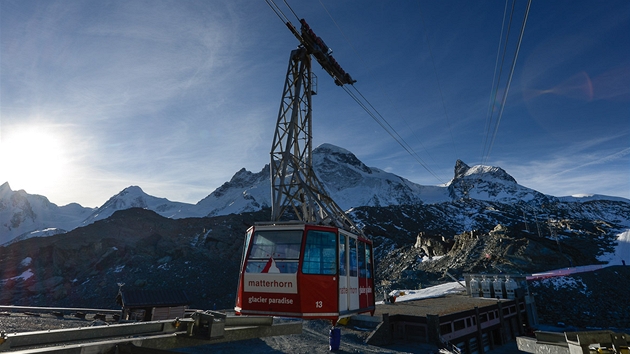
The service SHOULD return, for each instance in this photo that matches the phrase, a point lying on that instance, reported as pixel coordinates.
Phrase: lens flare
(32, 158)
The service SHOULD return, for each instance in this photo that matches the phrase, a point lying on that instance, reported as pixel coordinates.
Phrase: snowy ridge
(347, 180)
(135, 197)
(245, 192)
(592, 197)
(37, 233)
(351, 183)
(22, 213)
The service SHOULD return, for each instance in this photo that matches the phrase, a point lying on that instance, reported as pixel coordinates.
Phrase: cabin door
(343, 273)
(348, 273)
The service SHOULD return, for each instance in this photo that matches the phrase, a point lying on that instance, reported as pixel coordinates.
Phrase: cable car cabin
(305, 271)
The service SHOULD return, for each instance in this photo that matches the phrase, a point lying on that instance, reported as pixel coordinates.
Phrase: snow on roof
(426, 293)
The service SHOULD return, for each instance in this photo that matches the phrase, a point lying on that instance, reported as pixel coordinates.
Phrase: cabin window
(368, 260)
(275, 251)
(342, 255)
(353, 257)
(320, 253)
(362, 265)
(248, 237)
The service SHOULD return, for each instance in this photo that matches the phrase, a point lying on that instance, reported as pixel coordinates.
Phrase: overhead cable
(378, 118)
(495, 84)
(509, 81)
(361, 101)
(437, 80)
(382, 121)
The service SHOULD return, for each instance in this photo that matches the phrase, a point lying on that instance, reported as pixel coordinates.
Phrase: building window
(446, 328)
(459, 325)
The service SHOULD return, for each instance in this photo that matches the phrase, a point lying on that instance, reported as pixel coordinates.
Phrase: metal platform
(574, 342)
(202, 328)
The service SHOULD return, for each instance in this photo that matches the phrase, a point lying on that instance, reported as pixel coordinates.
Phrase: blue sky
(176, 96)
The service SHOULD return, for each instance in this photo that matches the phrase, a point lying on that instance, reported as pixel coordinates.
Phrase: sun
(32, 158)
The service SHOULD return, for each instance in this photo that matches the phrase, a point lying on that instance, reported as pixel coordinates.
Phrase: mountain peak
(328, 156)
(462, 171)
(330, 148)
(460, 168)
(135, 197)
(492, 171)
(488, 183)
(5, 189)
(131, 190)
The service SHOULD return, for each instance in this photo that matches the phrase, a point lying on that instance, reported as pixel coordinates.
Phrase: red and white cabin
(307, 271)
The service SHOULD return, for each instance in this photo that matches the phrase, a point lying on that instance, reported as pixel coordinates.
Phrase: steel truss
(294, 185)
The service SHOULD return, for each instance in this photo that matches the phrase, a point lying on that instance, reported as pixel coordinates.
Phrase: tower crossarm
(323, 54)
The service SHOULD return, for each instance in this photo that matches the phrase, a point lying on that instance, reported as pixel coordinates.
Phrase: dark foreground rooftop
(443, 305)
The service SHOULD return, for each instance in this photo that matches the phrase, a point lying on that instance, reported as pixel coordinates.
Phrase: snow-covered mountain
(245, 192)
(489, 183)
(135, 197)
(351, 183)
(348, 181)
(31, 214)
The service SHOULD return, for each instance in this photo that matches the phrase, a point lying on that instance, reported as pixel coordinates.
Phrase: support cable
(494, 95)
(509, 81)
(363, 102)
(294, 14)
(277, 11)
(494, 87)
(378, 118)
(437, 79)
(393, 132)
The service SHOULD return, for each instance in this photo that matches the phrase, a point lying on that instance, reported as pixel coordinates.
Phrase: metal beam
(36, 338)
(55, 309)
(142, 337)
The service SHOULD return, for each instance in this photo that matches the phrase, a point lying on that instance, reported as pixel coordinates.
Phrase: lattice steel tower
(294, 185)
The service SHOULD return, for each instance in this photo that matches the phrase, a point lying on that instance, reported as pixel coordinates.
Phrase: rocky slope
(144, 250)
(595, 299)
(137, 247)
